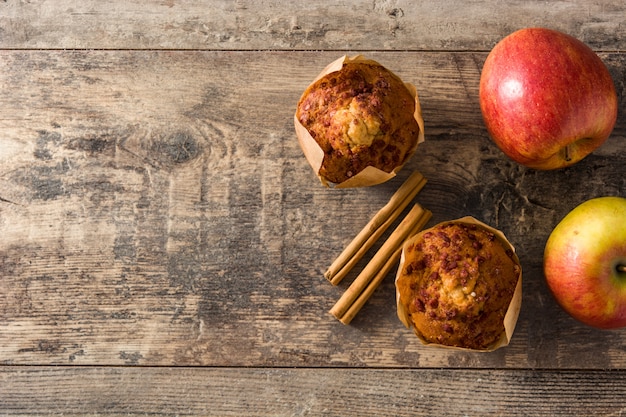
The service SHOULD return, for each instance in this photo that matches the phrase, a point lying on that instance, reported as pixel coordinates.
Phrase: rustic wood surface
(164, 239)
(308, 391)
(312, 25)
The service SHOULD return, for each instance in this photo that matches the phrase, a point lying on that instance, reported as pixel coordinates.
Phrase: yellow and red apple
(547, 99)
(585, 262)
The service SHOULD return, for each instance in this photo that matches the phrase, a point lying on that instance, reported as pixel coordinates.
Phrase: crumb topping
(458, 281)
(362, 115)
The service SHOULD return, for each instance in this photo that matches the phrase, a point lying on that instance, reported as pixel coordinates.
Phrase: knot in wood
(180, 147)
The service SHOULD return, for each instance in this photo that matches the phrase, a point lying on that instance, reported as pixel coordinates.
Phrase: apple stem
(621, 268)
(567, 155)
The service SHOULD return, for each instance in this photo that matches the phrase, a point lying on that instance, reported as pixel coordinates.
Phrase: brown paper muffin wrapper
(315, 155)
(511, 316)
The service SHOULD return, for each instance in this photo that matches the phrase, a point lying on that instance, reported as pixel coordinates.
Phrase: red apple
(585, 262)
(546, 98)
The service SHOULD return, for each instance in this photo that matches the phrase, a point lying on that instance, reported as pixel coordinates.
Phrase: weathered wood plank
(271, 24)
(74, 391)
(157, 210)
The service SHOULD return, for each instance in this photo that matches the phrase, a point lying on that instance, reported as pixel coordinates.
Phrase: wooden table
(164, 239)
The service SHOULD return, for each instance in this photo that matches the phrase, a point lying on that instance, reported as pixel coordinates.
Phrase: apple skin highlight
(584, 260)
(546, 98)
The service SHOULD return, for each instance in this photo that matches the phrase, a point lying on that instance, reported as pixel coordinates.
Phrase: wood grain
(163, 240)
(272, 25)
(157, 210)
(80, 391)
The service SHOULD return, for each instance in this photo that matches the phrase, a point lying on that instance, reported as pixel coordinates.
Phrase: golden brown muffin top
(457, 283)
(361, 115)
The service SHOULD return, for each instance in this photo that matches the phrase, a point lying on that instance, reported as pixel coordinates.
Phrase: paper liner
(315, 155)
(511, 316)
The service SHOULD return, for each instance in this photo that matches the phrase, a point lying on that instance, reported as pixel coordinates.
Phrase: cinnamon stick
(382, 273)
(372, 231)
(378, 261)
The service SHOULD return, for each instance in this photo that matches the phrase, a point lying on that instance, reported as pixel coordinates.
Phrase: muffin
(456, 283)
(360, 115)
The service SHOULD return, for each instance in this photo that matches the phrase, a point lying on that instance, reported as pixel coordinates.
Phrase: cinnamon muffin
(361, 115)
(456, 283)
